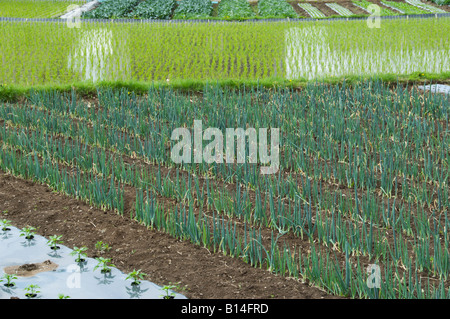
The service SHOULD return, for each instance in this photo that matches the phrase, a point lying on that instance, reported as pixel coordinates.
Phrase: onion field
(363, 177)
(355, 204)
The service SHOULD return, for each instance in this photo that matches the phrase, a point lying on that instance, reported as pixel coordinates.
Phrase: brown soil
(324, 9)
(198, 272)
(29, 270)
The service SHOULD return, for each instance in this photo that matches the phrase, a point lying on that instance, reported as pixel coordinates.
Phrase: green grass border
(12, 93)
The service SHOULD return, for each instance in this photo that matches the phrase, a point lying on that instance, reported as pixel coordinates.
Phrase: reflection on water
(309, 55)
(99, 56)
(135, 291)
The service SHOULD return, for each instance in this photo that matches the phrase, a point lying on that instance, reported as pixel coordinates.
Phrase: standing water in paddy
(100, 56)
(323, 51)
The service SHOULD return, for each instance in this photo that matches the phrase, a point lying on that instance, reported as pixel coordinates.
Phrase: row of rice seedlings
(117, 52)
(147, 52)
(337, 52)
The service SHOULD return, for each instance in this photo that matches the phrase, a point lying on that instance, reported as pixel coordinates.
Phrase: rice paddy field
(52, 53)
(357, 207)
(36, 8)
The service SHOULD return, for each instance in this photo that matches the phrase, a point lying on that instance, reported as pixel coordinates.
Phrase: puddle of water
(76, 280)
(99, 56)
(310, 56)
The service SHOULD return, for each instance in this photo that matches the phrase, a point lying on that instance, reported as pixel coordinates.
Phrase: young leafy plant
(5, 224)
(28, 232)
(9, 280)
(102, 247)
(54, 241)
(135, 275)
(167, 294)
(80, 253)
(32, 291)
(105, 265)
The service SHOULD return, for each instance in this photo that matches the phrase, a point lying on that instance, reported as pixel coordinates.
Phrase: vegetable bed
(193, 9)
(360, 175)
(68, 275)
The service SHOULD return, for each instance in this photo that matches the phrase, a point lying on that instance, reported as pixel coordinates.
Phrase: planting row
(363, 176)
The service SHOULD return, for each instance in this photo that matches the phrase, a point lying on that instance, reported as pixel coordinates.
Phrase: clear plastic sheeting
(72, 279)
(436, 88)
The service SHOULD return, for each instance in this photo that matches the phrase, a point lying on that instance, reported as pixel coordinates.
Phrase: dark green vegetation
(363, 176)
